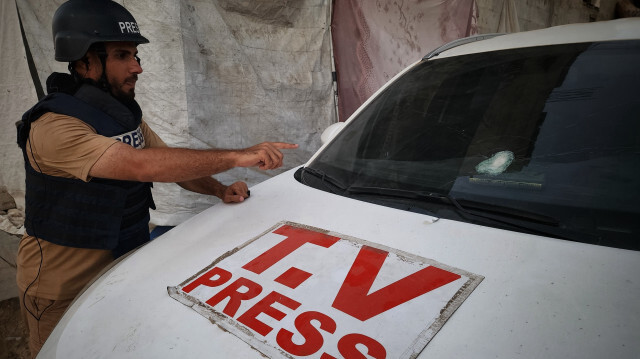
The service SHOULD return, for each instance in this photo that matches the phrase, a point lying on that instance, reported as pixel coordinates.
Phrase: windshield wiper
(474, 208)
(486, 213)
(525, 221)
(467, 206)
(478, 208)
(393, 197)
(395, 192)
(329, 182)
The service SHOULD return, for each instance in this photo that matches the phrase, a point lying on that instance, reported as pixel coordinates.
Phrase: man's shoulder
(61, 121)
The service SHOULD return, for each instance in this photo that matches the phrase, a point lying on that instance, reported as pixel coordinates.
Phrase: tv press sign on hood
(299, 291)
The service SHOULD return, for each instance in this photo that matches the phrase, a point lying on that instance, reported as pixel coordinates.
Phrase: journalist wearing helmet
(90, 160)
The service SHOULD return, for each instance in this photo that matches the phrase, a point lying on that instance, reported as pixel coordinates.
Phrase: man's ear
(85, 65)
(81, 66)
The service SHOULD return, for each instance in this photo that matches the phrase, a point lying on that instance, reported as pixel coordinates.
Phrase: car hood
(531, 296)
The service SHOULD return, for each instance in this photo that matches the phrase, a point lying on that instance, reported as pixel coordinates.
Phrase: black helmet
(79, 23)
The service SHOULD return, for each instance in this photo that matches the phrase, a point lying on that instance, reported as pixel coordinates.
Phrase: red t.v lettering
(296, 238)
(354, 298)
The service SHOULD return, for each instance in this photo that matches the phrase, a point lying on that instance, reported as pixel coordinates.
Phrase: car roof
(620, 29)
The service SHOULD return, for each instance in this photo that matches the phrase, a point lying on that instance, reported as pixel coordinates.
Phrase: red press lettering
(347, 347)
(235, 295)
(296, 237)
(313, 338)
(207, 279)
(250, 317)
(354, 300)
(293, 277)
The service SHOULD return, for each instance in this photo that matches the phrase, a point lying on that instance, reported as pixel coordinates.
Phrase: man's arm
(237, 192)
(124, 162)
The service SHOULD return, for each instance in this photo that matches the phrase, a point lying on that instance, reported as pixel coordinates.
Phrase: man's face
(122, 68)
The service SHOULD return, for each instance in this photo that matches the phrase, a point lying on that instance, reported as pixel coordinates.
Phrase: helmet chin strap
(102, 83)
(102, 55)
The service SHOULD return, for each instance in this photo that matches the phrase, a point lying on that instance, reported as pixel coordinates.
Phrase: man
(90, 159)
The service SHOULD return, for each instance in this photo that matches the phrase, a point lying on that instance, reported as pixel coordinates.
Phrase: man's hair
(99, 49)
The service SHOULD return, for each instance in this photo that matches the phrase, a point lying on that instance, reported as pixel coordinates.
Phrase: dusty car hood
(536, 296)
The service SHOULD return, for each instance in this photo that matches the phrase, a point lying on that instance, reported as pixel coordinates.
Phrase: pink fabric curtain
(374, 40)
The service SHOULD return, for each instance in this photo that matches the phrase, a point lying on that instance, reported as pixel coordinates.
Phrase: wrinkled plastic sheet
(17, 93)
(234, 73)
(373, 41)
(217, 74)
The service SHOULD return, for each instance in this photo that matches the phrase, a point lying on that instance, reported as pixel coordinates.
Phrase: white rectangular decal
(296, 291)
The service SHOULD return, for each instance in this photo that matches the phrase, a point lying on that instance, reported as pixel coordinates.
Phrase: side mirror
(330, 132)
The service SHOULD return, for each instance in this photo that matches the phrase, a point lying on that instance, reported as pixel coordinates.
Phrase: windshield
(518, 139)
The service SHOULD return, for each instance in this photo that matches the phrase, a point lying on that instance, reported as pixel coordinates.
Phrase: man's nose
(136, 68)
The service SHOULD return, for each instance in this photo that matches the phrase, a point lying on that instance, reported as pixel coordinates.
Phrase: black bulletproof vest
(101, 213)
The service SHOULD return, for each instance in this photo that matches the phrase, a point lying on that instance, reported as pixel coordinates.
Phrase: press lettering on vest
(134, 138)
(129, 27)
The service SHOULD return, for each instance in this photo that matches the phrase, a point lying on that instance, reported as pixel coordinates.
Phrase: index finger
(284, 145)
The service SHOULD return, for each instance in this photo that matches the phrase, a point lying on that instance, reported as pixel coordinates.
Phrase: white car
(483, 204)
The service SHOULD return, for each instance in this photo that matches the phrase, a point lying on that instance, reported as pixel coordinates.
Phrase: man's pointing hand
(266, 155)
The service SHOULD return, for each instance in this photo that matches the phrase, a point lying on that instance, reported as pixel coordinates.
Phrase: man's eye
(138, 59)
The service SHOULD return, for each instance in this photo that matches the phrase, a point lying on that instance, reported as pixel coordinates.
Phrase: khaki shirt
(67, 147)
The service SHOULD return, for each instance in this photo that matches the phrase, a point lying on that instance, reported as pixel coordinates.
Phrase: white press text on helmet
(129, 26)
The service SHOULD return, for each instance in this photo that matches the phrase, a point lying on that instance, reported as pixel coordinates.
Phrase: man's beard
(123, 96)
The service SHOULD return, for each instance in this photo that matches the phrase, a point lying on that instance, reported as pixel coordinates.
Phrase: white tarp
(219, 73)
(224, 74)
(508, 18)
(375, 41)
(17, 93)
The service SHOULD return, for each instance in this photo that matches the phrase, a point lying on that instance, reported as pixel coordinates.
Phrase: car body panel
(540, 297)
(620, 29)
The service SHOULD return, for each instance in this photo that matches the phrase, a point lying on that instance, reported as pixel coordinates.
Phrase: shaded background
(233, 73)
